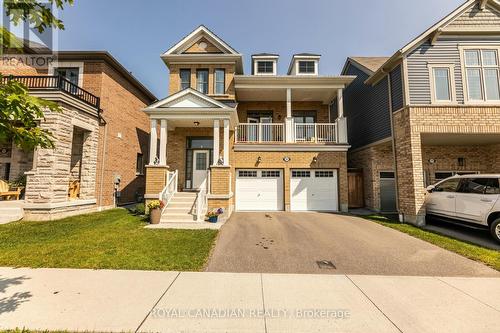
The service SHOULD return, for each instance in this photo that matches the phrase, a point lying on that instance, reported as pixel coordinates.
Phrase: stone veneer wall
(47, 182)
(410, 123)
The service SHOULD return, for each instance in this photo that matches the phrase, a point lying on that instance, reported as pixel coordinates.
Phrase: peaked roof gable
(433, 32)
(367, 64)
(188, 98)
(196, 35)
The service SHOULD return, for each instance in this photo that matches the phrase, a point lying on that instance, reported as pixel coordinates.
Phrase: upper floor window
(202, 80)
(442, 83)
(220, 81)
(139, 164)
(265, 67)
(69, 73)
(482, 74)
(307, 67)
(185, 75)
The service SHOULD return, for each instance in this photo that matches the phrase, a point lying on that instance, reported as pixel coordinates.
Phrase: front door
(200, 167)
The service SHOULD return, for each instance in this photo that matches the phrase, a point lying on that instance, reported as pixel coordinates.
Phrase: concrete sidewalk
(146, 301)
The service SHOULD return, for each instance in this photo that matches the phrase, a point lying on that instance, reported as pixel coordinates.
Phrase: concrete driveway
(283, 242)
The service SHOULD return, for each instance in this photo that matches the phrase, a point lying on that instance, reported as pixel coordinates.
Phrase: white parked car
(470, 199)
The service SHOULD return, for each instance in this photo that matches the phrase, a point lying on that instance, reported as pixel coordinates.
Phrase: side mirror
(430, 188)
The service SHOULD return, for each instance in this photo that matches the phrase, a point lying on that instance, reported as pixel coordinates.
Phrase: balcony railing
(276, 133)
(47, 82)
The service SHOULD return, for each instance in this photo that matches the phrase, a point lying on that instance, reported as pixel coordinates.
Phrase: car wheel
(495, 229)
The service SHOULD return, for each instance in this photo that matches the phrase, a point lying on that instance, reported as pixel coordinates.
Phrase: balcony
(47, 82)
(275, 133)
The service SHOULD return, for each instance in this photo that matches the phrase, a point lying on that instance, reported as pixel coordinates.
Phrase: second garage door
(259, 189)
(314, 190)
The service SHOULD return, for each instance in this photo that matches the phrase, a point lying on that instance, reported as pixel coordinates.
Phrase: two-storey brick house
(246, 142)
(429, 111)
(101, 137)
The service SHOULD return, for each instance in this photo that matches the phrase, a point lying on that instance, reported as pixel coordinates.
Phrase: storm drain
(325, 264)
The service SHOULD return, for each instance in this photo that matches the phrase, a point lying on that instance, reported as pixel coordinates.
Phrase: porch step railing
(201, 199)
(170, 189)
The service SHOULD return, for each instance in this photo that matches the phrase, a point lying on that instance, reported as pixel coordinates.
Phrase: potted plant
(213, 215)
(155, 208)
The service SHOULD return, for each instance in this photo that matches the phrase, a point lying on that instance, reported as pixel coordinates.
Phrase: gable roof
(432, 33)
(227, 54)
(369, 65)
(188, 98)
(197, 33)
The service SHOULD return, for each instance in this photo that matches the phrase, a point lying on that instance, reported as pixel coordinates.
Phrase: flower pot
(213, 219)
(154, 216)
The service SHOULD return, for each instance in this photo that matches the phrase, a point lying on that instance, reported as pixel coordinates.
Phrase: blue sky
(137, 32)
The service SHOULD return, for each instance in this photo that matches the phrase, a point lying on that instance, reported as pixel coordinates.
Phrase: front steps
(181, 208)
(11, 211)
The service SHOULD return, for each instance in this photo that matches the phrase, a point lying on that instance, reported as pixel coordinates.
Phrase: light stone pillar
(226, 142)
(216, 142)
(163, 142)
(152, 142)
(289, 124)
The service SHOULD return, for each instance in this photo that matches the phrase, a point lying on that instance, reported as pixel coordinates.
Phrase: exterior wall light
(259, 159)
(315, 159)
(196, 123)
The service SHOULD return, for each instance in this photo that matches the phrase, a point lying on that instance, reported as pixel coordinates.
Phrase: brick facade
(123, 129)
(412, 124)
(372, 160)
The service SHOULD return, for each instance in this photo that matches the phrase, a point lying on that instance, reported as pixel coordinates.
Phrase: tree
(20, 113)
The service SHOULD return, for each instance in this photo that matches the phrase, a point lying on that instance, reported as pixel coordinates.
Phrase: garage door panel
(259, 190)
(314, 190)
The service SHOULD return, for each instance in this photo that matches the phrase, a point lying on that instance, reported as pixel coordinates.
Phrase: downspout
(393, 142)
(103, 159)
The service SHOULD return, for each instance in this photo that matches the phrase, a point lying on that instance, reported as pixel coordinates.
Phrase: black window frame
(139, 164)
(205, 84)
(266, 67)
(307, 68)
(57, 71)
(183, 84)
(223, 81)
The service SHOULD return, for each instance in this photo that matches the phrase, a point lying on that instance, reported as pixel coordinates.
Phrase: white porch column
(226, 142)
(340, 103)
(341, 120)
(289, 126)
(163, 142)
(216, 142)
(152, 142)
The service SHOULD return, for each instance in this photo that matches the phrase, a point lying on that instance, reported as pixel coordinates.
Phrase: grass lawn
(471, 251)
(113, 239)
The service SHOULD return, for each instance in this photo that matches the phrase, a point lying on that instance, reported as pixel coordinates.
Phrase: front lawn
(113, 239)
(471, 251)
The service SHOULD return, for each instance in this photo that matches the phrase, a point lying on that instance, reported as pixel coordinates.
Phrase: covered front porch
(189, 158)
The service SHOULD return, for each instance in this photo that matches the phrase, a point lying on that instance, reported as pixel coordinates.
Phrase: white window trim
(462, 49)
(316, 65)
(255, 66)
(79, 64)
(451, 70)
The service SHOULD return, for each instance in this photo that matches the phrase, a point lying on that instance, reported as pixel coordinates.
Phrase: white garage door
(259, 189)
(314, 190)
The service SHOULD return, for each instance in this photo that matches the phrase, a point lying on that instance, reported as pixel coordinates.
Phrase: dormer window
(307, 67)
(264, 64)
(304, 64)
(265, 67)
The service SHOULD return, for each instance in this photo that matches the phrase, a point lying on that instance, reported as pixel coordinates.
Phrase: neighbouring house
(259, 142)
(430, 111)
(101, 137)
